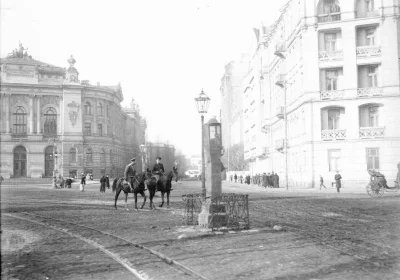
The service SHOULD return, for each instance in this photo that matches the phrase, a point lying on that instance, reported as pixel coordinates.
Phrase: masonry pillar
(7, 108)
(38, 114)
(31, 108)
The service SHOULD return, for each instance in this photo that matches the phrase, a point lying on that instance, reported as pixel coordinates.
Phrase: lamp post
(202, 103)
(143, 150)
(55, 157)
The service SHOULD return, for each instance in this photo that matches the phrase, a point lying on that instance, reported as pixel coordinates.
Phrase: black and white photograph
(200, 139)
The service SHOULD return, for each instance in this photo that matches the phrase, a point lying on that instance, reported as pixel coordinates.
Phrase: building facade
(165, 151)
(325, 92)
(46, 111)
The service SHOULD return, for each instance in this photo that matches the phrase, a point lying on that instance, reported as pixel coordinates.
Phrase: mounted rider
(158, 170)
(130, 172)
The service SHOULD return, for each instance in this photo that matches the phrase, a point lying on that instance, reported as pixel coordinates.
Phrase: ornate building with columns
(52, 120)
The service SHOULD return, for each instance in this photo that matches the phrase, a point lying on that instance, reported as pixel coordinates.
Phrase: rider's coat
(129, 171)
(158, 169)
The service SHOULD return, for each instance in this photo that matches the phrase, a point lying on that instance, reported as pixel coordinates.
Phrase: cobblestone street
(324, 235)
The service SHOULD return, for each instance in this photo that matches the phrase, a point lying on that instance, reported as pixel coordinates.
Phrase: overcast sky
(162, 51)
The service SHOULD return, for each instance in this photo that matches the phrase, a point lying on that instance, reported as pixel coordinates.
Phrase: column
(7, 108)
(31, 123)
(60, 115)
(38, 114)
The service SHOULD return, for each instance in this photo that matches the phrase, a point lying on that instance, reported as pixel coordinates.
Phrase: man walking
(103, 184)
(83, 183)
(130, 172)
(107, 182)
(338, 178)
(321, 182)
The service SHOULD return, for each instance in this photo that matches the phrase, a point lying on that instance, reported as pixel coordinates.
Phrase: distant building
(337, 64)
(45, 108)
(165, 151)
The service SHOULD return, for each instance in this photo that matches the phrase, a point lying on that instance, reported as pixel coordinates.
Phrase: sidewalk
(282, 189)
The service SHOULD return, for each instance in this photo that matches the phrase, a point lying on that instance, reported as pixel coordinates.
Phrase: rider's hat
(158, 158)
(133, 159)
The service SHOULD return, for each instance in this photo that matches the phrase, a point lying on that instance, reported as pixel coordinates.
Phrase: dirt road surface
(66, 234)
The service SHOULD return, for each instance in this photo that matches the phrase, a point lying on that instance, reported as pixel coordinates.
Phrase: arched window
(89, 156)
(102, 157)
(72, 155)
(50, 123)
(19, 124)
(88, 108)
(99, 109)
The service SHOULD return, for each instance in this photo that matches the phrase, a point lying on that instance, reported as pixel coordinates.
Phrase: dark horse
(164, 186)
(138, 187)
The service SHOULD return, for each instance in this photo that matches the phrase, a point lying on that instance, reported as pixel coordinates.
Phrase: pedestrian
(83, 183)
(235, 177)
(274, 181)
(107, 182)
(248, 179)
(175, 170)
(130, 172)
(241, 179)
(338, 179)
(103, 184)
(321, 182)
(231, 178)
(264, 179)
(68, 182)
(1, 180)
(277, 180)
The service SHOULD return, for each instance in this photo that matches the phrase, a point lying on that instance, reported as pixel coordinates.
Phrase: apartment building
(332, 69)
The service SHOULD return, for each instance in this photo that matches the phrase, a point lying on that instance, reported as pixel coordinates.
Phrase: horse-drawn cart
(377, 185)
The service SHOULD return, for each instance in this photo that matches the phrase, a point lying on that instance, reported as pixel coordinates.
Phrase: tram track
(141, 261)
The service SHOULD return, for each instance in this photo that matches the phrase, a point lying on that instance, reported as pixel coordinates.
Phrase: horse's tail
(115, 184)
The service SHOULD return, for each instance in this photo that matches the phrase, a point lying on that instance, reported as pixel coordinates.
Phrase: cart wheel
(375, 189)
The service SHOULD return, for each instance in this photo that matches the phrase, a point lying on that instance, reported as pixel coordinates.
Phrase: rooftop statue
(21, 53)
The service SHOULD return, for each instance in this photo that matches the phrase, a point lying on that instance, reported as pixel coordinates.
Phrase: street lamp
(202, 103)
(55, 156)
(143, 150)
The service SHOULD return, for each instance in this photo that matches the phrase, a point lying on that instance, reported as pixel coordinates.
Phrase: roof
(22, 61)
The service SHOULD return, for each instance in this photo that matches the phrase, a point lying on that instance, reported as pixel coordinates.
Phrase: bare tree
(236, 158)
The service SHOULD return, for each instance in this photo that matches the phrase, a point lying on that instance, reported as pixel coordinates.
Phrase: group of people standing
(270, 180)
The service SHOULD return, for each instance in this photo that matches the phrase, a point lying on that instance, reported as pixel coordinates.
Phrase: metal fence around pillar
(192, 208)
(230, 211)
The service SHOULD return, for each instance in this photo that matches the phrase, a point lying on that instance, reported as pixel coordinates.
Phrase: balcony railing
(280, 47)
(331, 55)
(371, 91)
(329, 17)
(364, 14)
(368, 51)
(372, 132)
(280, 80)
(332, 94)
(19, 135)
(333, 134)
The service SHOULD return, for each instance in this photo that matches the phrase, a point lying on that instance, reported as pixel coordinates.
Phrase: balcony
(372, 132)
(366, 14)
(331, 94)
(330, 55)
(280, 112)
(19, 135)
(280, 49)
(280, 145)
(368, 51)
(265, 151)
(368, 92)
(333, 134)
(329, 17)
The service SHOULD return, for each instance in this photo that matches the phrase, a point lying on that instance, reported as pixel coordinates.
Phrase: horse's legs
(162, 199)
(126, 201)
(116, 196)
(144, 201)
(135, 195)
(168, 199)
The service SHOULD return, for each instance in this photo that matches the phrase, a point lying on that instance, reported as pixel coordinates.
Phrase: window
(333, 118)
(87, 129)
(330, 42)
(88, 108)
(72, 155)
(102, 157)
(19, 125)
(332, 79)
(373, 76)
(50, 123)
(334, 160)
(370, 5)
(100, 129)
(372, 158)
(370, 35)
(89, 156)
(99, 109)
(369, 116)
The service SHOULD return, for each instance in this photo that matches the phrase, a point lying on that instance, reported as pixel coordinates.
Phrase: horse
(164, 186)
(138, 187)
